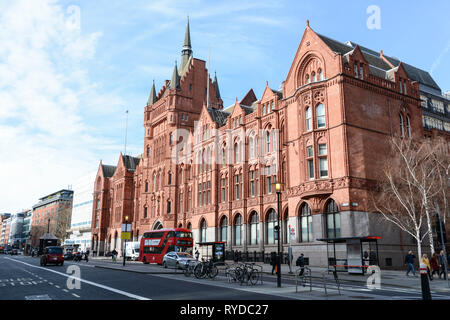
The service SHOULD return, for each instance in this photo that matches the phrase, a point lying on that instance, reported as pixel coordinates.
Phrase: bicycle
(189, 269)
(206, 268)
(244, 273)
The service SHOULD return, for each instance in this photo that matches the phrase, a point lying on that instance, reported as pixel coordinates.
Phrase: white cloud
(45, 140)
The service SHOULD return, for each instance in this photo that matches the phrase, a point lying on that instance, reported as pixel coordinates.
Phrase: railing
(335, 277)
(303, 277)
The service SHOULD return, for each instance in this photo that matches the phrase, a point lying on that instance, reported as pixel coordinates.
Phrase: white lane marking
(86, 281)
(51, 283)
(65, 290)
(75, 295)
(57, 286)
(38, 297)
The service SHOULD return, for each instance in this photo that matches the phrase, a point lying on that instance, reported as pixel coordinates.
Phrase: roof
(49, 236)
(376, 61)
(218, 116)
(131, 163)
(108, 171)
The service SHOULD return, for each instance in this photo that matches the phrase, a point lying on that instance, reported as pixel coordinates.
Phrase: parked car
(13, 252)
(177, 260)
(52, 255)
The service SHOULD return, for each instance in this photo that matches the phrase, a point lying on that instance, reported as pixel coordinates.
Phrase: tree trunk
(430, 230)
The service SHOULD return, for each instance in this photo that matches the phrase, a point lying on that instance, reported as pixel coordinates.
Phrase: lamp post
(125, 241)
(278, 229)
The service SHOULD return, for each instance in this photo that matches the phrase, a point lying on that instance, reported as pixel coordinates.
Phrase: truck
(132, 250)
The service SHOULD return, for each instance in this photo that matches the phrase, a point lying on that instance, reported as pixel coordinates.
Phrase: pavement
(388, 278)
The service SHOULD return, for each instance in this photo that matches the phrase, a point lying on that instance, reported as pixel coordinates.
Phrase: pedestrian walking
(427, 263)
(301, 263)
(273, 261)
(86, 255)
(441, 261)
(114, 255)
(434, 261)
(409, 260)
(197, 254)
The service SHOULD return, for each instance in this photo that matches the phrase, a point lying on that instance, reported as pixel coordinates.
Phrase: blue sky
(71, 68)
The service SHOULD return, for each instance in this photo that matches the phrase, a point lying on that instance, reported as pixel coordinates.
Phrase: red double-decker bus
(156, 243)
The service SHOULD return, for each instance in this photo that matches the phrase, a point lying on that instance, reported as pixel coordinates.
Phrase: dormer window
(356, 69)
(264, 109)
(361, 71)
(404, 86)
(400, 84)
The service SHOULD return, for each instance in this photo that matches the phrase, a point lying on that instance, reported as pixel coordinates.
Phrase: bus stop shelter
(352, 254)
(214, 250)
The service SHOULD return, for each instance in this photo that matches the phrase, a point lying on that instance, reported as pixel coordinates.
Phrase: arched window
(254, 228)
(170, 178)
(402, 129)
(333, 220)
(314, 79)
(223, 157)
(306, 231)
(271, 222)
(321, 75)
(308, 119)
(189, 226)
(251, 148)
(320, 114)
(307, 79)
(146, 186)
(408, 126)
(224, 229)
(148, 151)
(169, 206)
(154, 182)
(238, 230)
(236, 153)
(145, 212)
(203, 231)
(267, 141)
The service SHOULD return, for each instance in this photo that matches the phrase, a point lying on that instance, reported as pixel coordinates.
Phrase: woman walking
(434, 265)
(427, 263)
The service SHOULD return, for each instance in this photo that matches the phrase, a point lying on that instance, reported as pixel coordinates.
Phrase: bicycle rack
(306, 275)
(335, 277)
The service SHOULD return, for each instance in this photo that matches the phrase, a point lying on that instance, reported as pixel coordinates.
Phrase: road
(22, 278)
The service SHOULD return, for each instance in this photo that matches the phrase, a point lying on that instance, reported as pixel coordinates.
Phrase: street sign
(126, 227)
(126, 236)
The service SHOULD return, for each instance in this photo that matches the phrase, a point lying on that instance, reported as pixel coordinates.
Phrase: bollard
(425, 284)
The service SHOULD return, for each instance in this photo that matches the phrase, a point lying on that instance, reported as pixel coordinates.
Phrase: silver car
(177, 260)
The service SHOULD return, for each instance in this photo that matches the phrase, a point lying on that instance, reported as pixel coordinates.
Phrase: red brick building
(52, 213)
(211, 169)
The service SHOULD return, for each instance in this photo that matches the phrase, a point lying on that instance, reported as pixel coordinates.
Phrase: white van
(132, 250)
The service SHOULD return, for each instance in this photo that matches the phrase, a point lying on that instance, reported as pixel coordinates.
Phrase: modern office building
(52, 214)
(80, 225)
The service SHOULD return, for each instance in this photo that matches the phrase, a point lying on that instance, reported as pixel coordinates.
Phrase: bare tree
(408, 187)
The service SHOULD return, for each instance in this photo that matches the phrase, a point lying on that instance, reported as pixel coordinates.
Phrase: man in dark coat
(301, 263)
(273, 261)
(409, 260)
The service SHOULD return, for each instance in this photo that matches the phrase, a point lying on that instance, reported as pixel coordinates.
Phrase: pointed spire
(216, 86)
(186, 53)
(152, 98)
(187, 36)
(175, 82)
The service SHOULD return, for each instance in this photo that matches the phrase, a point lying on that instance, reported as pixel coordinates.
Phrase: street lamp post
(278, 189)
(125, 241)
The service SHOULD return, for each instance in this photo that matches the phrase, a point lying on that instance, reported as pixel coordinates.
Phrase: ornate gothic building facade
(212, 168)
